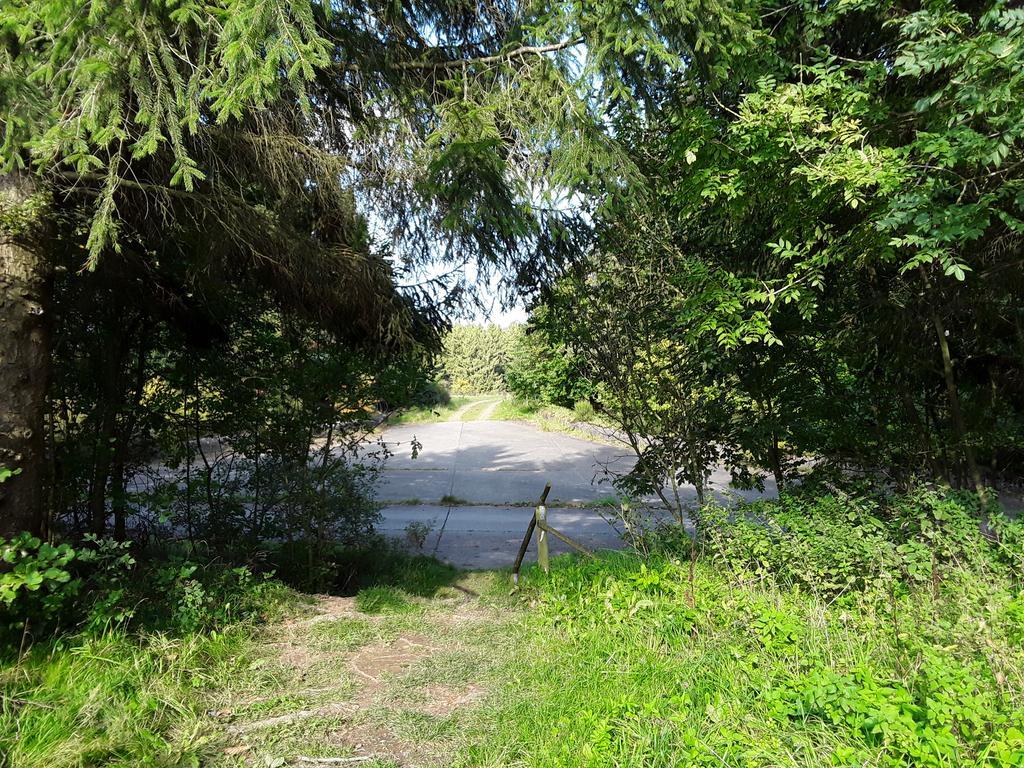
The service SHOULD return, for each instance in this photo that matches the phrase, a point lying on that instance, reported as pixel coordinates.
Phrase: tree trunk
(954, 398)
(26, 294)
(119, 497)
(101, 469)
(775, 462)
(954, 406)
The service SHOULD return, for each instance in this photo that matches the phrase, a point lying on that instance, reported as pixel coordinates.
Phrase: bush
(584, 410)
(98, 586)
(837, 543)
(49, 585)
(195, 598)
(545, 371)
(237, 505)
(842, 631)
(37, 584)
(434, 394)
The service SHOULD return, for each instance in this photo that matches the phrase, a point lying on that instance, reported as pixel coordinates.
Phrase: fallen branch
(326, 711)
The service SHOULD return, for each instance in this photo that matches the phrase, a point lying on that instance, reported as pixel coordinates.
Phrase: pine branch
(523, 50)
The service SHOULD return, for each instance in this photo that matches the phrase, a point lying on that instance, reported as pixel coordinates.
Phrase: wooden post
(526, 539)
(542, 538)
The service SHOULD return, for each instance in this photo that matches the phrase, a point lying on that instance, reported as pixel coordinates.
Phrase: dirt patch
(371, 687)
(442, 700)
(328, 710)
(460, 414)
(328, 608)
(297, 657)
(377, 743)
(375, 663)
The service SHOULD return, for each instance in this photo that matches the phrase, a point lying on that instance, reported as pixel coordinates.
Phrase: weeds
(808, 632)
(812, 632)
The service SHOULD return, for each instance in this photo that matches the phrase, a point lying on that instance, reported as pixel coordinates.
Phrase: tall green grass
(644, 663)
(116, 700)
(429, 414)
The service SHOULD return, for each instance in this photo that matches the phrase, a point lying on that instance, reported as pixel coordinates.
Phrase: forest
(770, 244)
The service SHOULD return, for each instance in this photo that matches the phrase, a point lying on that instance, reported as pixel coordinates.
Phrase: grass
(148, 697)
(471, 406)
(554, 418)
(429, 414)
(785, 655)
(550, 418)
(381, 600)
(116, 699)
(631, 675)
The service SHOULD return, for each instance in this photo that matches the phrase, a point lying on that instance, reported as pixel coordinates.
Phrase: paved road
(496, 470)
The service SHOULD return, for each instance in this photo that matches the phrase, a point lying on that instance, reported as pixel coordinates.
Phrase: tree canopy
(829, 254)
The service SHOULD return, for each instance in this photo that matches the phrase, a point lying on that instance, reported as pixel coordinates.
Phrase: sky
(490, 311)
(501, 317)
(493, 312)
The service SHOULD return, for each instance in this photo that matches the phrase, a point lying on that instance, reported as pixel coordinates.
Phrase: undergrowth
(429, 414)
(581, 421)
(124, 676)
(806, 632)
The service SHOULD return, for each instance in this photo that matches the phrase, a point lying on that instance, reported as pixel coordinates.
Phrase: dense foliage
(781, 238)
(549, 373)
(828, 264)
(834, 631)
(475, 359)
(212, 165)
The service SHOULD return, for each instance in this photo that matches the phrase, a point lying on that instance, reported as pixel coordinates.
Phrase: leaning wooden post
(526, 539)
(542, 538)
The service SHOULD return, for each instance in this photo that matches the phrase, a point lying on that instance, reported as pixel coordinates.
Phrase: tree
(545, 370)
(24, 353)
(668, 393)
(248, 130)
(475, 358)
(840, 214)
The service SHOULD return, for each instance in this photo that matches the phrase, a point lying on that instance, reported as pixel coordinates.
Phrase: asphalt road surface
(475, 483)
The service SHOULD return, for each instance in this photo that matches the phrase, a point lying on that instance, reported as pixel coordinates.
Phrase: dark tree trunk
(949, 376)
(954, 406)
(775, 462)
(118, 472)
(26, 293)
(101, 470)
(115, 413)
(118, 495)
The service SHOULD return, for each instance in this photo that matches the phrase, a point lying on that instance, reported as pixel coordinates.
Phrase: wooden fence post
(542, 538)
(526, 539)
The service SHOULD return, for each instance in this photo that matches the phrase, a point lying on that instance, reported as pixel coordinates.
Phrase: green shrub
(837, 543)
(195, 598)
(434, 394)
(584, 410)
(46, 586)
(833, 631)
(649, 663)
(36, 584)
(98, 586)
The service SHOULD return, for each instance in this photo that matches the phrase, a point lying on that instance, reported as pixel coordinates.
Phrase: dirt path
(488, 412)
(341, 686)
(488, 405)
